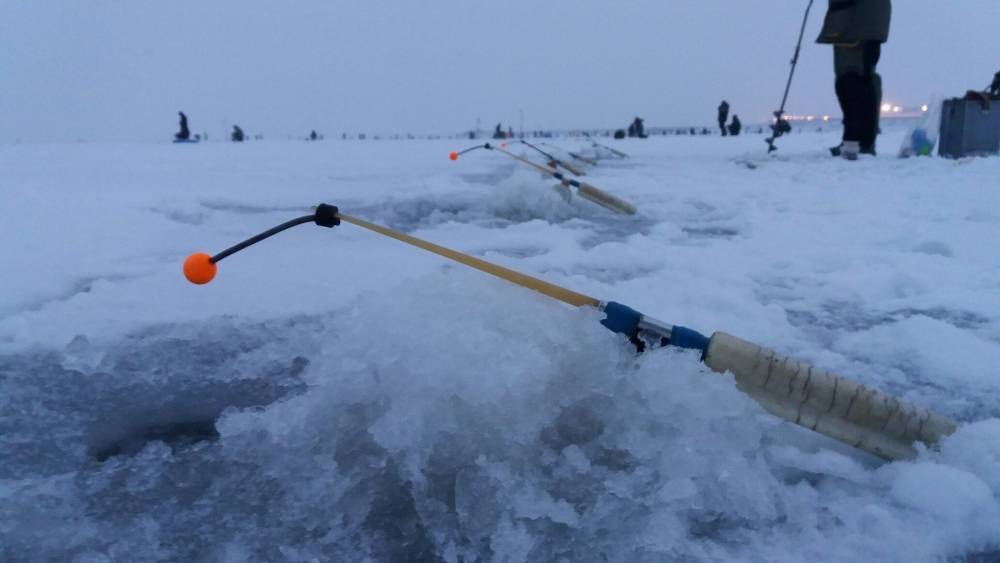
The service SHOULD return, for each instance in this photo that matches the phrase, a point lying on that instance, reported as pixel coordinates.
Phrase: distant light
(923, 107)
(896, 109)
(826, 118)
(810, 117)
(886, 107)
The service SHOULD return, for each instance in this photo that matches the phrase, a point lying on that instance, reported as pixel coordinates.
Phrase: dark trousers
(859, 90)
(722, 125)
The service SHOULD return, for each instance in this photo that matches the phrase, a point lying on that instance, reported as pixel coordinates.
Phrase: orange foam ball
(199, 268)
(453, 155)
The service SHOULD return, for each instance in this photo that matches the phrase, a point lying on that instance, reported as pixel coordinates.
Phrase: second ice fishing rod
(583, 189)
(781, 125)
(793, 390)
(573, 155)
(619, 153)
(553, 161)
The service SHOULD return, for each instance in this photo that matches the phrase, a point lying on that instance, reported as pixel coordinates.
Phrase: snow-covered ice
(336, 395)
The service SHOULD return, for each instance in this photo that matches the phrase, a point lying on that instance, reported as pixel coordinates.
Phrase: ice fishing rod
(573, 155)
(819, 400)
(553, 161)
(583, 189)
(596, 144)
(781, 125)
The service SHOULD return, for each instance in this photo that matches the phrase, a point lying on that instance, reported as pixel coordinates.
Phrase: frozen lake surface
(335, 395)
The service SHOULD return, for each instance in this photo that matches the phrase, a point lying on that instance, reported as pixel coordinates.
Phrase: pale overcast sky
(119, 70)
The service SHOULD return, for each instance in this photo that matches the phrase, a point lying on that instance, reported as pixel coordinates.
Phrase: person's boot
(849, 150)
(863, 149)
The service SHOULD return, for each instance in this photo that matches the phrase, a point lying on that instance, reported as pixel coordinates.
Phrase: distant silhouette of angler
(237, 134)
(313, 135)
(735, 126)
(636, 128)
(185, 133)
(723, 116)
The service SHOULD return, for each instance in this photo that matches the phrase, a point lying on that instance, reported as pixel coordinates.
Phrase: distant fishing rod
(596, 144)
(573, 155)
(795, 391)
(553, 161)
(781, 125)
(583, 189)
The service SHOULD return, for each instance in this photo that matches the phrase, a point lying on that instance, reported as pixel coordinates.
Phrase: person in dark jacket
(735, 126)
(995, 86)
(723, 116)
(857, 29)
(237, 134)
(637, 129)
(184, 133)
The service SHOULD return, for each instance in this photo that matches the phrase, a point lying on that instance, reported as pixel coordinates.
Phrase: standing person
(857, 29)
(184, 133)
(723, 116)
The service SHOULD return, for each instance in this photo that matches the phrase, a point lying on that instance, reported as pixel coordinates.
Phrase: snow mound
(510, 428)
